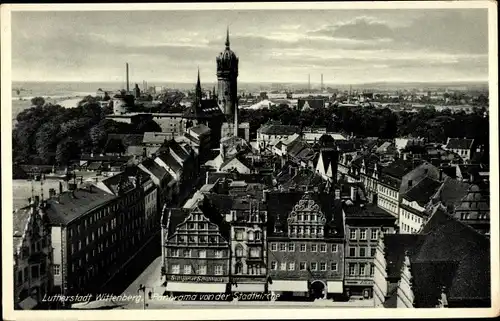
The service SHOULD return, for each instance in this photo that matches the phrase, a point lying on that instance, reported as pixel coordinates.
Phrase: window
(201, 226)
(322, 247)
(291, 266)
(362, 268)
(239, 250)
(282, 247)
(314, 247)
(257, 235)
(202, 270)
(250, 236)
(202, 254)
(334, 248)
(274, 247)
(374, 234)
(302, 266)
(302, 247)
(291, 247)
(175, 252)
(314, 266)
(362, 251)
(352, 269)
(187, 269)
(362, 234)
(333, 266)
(255, 252)
(218, 270)
(313, 230)
(283, 266)
(175, 268)
(373, 250)
(352, 234)
(274, 265)
(218, 254)
(203, 239)
(187, 253)
(239, 235)
(34, 271)
(322, 266)
(352, 251)
(372, 269)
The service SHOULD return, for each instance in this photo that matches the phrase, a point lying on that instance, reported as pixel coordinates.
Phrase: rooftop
(459, 143)
(274, 129)
(423, 191)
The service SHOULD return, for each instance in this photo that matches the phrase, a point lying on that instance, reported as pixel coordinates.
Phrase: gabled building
(32, 256)
(462, 146)
(269, 134)
(413, 212)
(195, 250)
(327, 164)
(305, 244)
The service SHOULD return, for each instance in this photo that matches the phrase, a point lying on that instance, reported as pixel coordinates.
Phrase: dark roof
(457, 244)
(329, 156)
(273, 129)
(119, 182)
(200, 129)
(459, 143)
(68, 206)
(395, 246)
(173, 217)
(104, 158)
(19, 220)
(170, 161)
(423, 191)
(247, 178)
(366, 211)
(155, 169)
(305, 178)
(281, 204)
(178, 150)
(241, 158)
(400, 168)
(313, 103)
(451, 192)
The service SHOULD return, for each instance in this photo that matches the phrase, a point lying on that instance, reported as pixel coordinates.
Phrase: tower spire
(227, 37)
(198, 93)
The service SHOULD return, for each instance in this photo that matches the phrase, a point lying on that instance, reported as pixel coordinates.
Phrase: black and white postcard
(249, 160)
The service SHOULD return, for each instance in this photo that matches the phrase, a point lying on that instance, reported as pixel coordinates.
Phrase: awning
(28, 304)
(335, 286)
(288, 286)
(248, 287)
(196, 287)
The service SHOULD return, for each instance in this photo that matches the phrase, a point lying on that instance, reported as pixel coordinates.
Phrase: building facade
(305, 245)
(32, 256)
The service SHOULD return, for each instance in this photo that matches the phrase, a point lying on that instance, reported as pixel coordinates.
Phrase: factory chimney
(126, 67)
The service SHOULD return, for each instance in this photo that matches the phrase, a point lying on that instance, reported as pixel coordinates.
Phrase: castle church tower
(227, 74)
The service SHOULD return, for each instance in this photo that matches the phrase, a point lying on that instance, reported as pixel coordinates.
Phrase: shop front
(289, 288)
(363, 288)
(195, 286)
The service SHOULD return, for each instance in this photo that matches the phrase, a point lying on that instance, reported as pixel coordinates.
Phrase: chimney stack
(128, 88)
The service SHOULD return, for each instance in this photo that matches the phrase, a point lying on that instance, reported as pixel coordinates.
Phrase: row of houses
(77, 240)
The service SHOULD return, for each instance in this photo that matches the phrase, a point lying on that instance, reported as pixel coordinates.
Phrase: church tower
(198, 94)
(227, 74)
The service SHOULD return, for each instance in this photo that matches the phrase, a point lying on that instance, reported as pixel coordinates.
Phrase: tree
(37, 101)
(147, 125)
(67, 150)
(326, 141)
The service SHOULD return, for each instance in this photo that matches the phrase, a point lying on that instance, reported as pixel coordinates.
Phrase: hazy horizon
(274, 46)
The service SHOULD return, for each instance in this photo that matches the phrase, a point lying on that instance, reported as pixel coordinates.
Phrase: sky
(346, 46)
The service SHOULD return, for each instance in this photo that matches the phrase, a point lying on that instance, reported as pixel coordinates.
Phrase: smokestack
(128, 88)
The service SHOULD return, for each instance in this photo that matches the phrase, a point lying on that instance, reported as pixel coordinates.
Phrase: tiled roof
(459, 143)
(176, 216)
(156, 137)
(455, 243)
(113, 183)
(395, 247)
(451, 192)
(272, 129)
(423, 191)
(68, 206)
(305, 178)
(400, 168)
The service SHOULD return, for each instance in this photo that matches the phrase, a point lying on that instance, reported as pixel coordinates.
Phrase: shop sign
(197, 278)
